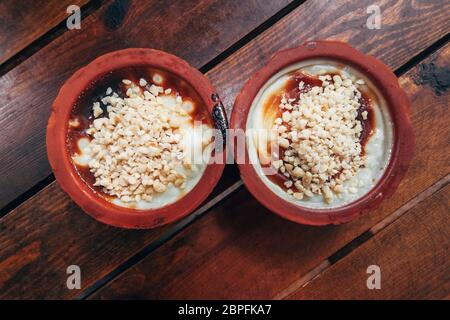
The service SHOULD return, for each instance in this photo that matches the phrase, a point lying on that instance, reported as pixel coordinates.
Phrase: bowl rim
(65, 172)
(398, 105)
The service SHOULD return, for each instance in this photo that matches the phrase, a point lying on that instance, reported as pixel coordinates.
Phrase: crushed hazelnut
(142, 82)
(135, 150)
(97, 110)
(322, 147)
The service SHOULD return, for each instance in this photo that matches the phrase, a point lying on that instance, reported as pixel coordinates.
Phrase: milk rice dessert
(133, 134)
(330, 134)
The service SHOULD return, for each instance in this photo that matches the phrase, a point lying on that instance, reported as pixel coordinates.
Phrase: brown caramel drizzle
(82, 109)
(292, 91)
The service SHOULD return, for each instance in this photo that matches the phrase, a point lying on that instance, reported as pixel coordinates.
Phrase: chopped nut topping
(319, 133)
(136, 150)
(97, 110)
(142, 82)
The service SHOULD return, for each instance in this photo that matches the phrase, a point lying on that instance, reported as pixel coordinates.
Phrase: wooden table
(231, 247)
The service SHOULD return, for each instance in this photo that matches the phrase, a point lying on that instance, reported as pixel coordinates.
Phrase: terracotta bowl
(67, 174)
(402, 140)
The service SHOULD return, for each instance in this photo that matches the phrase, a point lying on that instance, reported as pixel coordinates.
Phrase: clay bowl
(397, 109)
(69, 176)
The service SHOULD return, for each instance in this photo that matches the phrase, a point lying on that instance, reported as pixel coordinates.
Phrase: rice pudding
(330, 134)
(136, 136)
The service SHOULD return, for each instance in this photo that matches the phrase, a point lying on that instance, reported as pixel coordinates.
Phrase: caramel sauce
(367, 124)
(292, 91)
(82, 109)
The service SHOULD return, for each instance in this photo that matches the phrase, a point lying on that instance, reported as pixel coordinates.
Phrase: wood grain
(196, 30)
(355, 243)
(46, 234)
(228, 80)
(400, 38)
(413, 255)
(50, 214)
(22, 22)
(242, 251)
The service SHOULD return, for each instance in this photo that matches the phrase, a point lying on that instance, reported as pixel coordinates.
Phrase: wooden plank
(22, 23)
(42, 237)
(240, 250)
(50, 214)
(363, 238)
(196, 30)
(400, 38)
(412, 253)
(299, 20)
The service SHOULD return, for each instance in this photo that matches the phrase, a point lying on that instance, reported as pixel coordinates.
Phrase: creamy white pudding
(366, 135)
(140, 139)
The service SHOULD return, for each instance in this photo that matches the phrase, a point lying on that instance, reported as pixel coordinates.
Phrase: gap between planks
(93, 6)
(228, 191)
(417, 59)
(46, 38)
(251, 35)
(324, 265)
(338, 255)
(172, 232)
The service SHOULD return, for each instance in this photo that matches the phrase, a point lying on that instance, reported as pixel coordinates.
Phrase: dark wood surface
(231, 247)
(266, 253)
(79, 232)
(420, 272)
(196, 30)
(22, 23)
(59, 234)
(399, 40)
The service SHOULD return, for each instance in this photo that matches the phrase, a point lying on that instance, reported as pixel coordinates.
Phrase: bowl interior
(82, 114)
(397, 146)
(264, 110)
(89, 84)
